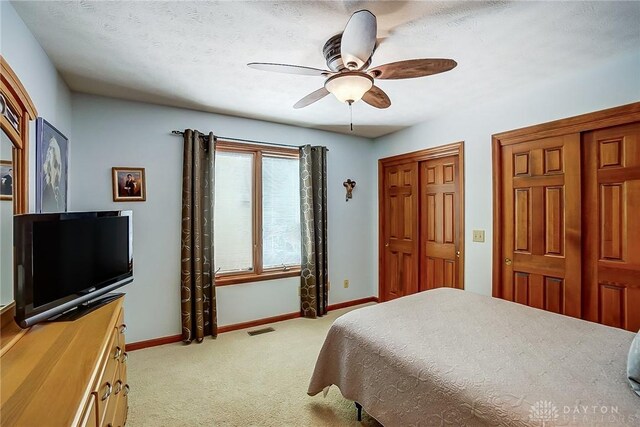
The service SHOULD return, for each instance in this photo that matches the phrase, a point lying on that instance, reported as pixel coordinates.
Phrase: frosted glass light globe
(349, 87)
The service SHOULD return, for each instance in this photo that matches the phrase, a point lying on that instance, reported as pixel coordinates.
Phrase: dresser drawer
(119, 415)
(121, 329)
(105, 386)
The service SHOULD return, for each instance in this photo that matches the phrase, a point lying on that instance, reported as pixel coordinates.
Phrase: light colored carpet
(238, 380)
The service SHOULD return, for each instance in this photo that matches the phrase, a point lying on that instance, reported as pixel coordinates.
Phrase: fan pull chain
(351, 114)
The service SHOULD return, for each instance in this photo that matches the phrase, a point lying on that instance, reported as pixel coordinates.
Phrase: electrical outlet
(346, 283)
(478, 236)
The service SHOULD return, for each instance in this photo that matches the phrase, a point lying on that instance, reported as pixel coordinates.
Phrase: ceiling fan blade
(376, 98)
(358, 39)
(412, 68)
(311, 98)
(289, 69)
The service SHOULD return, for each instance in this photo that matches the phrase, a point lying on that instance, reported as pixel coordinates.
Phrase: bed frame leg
(359, 408)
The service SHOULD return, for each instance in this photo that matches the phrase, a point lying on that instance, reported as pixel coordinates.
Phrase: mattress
(450, 357)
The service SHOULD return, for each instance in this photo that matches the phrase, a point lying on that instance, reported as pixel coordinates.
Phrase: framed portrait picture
(52, 165)
(6, 180)
(129, 184)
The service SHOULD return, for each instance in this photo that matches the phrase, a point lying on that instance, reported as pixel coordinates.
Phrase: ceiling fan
(348, 56)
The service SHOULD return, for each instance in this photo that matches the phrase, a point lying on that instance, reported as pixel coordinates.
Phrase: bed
(450, 357)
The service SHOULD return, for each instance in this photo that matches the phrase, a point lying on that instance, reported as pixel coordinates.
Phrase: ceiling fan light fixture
(349, 87)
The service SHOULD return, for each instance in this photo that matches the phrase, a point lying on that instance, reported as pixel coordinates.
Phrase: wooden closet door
(612, 226)
(541, 224)
(440, 223)
(400, 253)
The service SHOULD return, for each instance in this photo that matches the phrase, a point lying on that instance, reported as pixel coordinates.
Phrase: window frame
(259, 273)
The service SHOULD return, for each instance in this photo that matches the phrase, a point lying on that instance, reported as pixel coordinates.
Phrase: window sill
(235, 279)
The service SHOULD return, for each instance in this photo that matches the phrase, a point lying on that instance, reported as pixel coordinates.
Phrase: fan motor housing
(331, 51)
(332, 54)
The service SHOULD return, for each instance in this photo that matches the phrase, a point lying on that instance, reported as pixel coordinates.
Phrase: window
(257, 213)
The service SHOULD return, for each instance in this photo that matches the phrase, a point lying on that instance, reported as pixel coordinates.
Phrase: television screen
(66, 259)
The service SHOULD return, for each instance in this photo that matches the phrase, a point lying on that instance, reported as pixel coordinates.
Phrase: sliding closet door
(399, 254)
(541, 224)
(440, 216)
(612, 226)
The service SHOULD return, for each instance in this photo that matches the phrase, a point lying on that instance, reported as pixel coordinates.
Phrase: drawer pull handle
(123, 328)
(118, 387)
(107, 393)
(117, 353)
(126, 390)
(125, 357)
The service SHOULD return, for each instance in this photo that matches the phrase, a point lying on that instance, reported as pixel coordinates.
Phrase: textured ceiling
(194, 54)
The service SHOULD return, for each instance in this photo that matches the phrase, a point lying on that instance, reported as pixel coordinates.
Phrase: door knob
(457, 254)
(386, 245)
(507, 261)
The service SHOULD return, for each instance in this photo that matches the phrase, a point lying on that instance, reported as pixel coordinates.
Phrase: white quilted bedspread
(450, 357)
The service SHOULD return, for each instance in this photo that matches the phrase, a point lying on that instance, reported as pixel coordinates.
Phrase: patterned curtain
(313, 216)
(197, 288)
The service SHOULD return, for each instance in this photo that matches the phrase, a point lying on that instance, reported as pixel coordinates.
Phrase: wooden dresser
(70, 373)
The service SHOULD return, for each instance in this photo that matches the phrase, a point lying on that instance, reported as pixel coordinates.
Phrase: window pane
(233, 212)
(280, 212)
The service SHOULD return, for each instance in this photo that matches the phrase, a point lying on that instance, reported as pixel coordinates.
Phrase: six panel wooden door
(440, 223)
(400, 257)
(541, 224)
(612, 226)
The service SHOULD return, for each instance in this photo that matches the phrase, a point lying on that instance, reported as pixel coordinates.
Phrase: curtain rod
(177, 132)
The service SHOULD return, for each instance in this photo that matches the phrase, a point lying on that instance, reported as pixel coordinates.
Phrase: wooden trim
(244, 325)
(18, 98)
(583, 123)
(577, 124)
(426, 154)
(18, 89)
(453, 149)
(381, 222)
(234, 279)
(351, 303)
(496, 161)
(223, 145)
(153, 342)
(461, 236)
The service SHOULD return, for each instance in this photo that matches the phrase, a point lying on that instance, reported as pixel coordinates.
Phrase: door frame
(453, 149)
(578, 124)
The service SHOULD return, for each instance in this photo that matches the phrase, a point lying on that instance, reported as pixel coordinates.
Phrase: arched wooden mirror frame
(17, 110)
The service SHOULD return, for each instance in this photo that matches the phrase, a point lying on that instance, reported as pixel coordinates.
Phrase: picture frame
(52, 168)
(6, 180)
(129, 184)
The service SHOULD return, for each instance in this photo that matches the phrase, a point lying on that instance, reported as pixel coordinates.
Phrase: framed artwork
(6, 180)
(129, 184)
(52, 167)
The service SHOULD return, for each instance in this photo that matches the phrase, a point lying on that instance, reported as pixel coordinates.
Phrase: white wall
(48, 92)
(589, 89)
(37, 73)
(109, 132)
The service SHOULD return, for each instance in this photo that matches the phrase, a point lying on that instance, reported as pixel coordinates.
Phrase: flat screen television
(65, 260)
